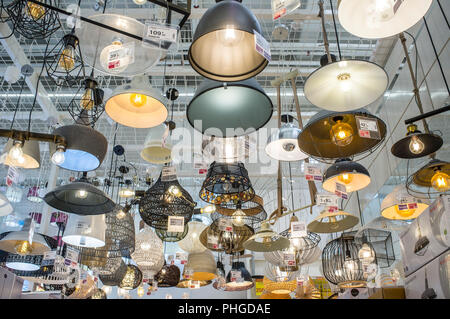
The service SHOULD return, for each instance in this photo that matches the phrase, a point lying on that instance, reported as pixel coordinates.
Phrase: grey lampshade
(67, 199)
(241, 106)
(223, 47)
(86, 148)
(356, 176)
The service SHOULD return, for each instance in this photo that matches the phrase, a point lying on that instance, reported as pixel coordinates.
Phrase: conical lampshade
(399, 204)
(203, 265)
(31, 157)
(332, 222)
(416, 144)
(85, 231)
(351, 174)
(157, 145)
(137, 104)
(283, 144)
(266, 240)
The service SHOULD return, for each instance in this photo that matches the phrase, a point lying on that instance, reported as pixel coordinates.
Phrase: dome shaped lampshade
(113, 272)
(244, 283)
(5, 206)
(137, 104)
(148, 254)
(80, 197)
(266, 240)
(223, 46)
(346, 85)
(85, 231)
(332, 222)
(168, 276)
(334, 135)
(341, 264)
(132, 278)
(283, 144)
(97, 44)
(203, 265)
(85, 150)
(416, 144)
(399, 204)
(229, 110)
(380, 19)
(351, 174)
(191, 243)
(30, 158)
(228, 242)
(157, 145)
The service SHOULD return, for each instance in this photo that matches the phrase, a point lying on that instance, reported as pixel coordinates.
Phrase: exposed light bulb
(81, 193)
(366, 254)
(138, 100)
(67, 58)
(341, 133)
(141, 291)
(345, 178)
(120, 214)
(140, 2)
(440, 181)
(238, 218)
(21, 160)
(87, 100)
(23, 247)
(229, 36)
(380, 11)
(174, 190)
(344, 80)
(416, 146)
(16, 151)
(34, 10)
(58, 156)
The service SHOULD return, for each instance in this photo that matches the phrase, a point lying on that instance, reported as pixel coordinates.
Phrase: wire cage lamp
(132, 278)
(240, 218)
(377, 246)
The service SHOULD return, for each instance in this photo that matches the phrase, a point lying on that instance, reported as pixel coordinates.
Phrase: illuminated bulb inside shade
(174, 190)
(440, 181)
(208, 209)
(140, 291)
(16, 151)
(416, 146)
(67, 58)
(350, 265)
(21, 160)
(345, 178)
(126, 192)
(23, 247)
(366, 254)
(267, 241)
(229, 36)
(380, 11)
(34, 10)
(58, 157)
(341, 133)
(120, 214)
(238, 218)
(138, 100)
(87, 100)
(81, 193)
(344, 79)
(145, 246)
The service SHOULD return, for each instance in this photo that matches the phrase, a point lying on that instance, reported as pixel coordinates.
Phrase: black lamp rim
(433, 143)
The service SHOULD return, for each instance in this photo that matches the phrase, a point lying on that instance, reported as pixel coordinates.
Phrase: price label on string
(313, 172)
(181, 256)
(236, 275)
(49, 258)
(71, 259)
(13, 176)
(225, 225)
(341, 191)
(298, 229)
(368, 127)
(160, 35)
(121, 57)
(213, 241)
(281, 8)
(169, 173)
(175, 224)
(262, 46)
(328, 200)
(289, 259)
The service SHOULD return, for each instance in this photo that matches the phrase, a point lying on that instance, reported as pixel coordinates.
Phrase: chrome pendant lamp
(223, 47)
(344, 171)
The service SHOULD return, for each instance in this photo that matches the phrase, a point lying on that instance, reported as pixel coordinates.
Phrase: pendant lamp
(283, 144)
(279, 287)
(416, 144)
(137, 104)
(14, 194)
(266, 240)
(85, 150)
(85, 231)
(157, 145)
(243, 282)
(98, 294)
(171, 236)
(332, 222)
(346, 172)
(374, 19)
(168, 276)
(377, 246)
(80, 197)
(215, 238)
(334, 135)
(275, 274)
(435, 174)
(229, 109)
(22, 264)
(187, 283)
(5, 206)
(132, 278)
(27, 155)
(399, 204)
(226, 150)
(35, 194)
(87, 104)
(203, 265)
(115, 274)
(223, 45)
(100, 44)
(191, 243)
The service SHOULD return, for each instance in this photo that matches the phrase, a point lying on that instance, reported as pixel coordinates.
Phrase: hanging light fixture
(334, 135)
(332, 222)
(266, 240)
(87, 103)
(223, 45)
(226, 150)
(279, 281)
(244, 282)
(85, 231)
(114, 272)
(168, 276)
(23, 154)
(14, 194)
(158, 145)
(203, 265)
(217, 239)
(416, 144)
(169, 236)
(5, 206)
(23, 264)
(80, 197)
(377, 246)
(137, 104)
(132, 278)
(191, 243)
(399, 204)
(35, 194)
(98, 294)
(435, 174)
(85, 148)
(344, 171)
(374, 19)
(229, 109)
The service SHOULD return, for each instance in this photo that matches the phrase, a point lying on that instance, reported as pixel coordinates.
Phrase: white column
(46, 212)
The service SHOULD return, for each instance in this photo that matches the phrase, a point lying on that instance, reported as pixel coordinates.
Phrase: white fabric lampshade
(191, 243)
(85, 231)
(157, 145)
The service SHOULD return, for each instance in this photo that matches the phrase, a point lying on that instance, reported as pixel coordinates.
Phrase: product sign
(170, 259)
(289, 258)
(194, 284)
(175, 224)
(49, 258)
(181, 256)
(282, 7)
(236, 275)
(328, 200)
(71, 257)
(225, 225)
(169, 173)
(341, 190)
(213, 241)
(13, 176)
(160, 32)
(298, 229)
(262, 46)
(407, 206)
(188, 273)
(121, 57)
(313, 172)
(368, 127)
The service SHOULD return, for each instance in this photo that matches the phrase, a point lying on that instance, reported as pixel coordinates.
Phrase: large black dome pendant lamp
(223, 47)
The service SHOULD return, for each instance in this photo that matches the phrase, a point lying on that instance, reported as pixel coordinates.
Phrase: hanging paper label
(71, 259)
(225, 225)
(313, 172)
(213, 241)
(298, 229)
(289, 259)
(235, 275)
(83, 226)
(31, 232)
(170, 259)
(175, 224)
(121, 57)
(169, 173)
(262, 46)
(188, 273)
(368, 127)
(329, 200)
(181, 256)
(194, 284)
(282, 7)
(160, 35)
(49, 258)
(341, 190)
(13, 176)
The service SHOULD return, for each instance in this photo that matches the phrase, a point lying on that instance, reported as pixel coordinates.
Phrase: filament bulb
(345, 178)
(34, 10)
(416, 146)
(23, 247)
(341, 133)
(440, 181)
(67, 58)
(87, 101)
(138, 100)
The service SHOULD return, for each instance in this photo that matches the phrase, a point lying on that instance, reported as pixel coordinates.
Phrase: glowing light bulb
(81, 193)
(208, 209)
(344, 80)
(16, 151)
(366, 254)
(145, 246)
(416, 146)
(140, 2)
(58, 156)
(440, 181)
(126, 192)
(67, 58)
(21, 160)
(229, 36)
(138, 100)
(345, 178)
(350, 265)
(238, 218)
(341, 133)
(380, 11)
(87, 100)
(120, 214)
(174, 190)
(34, 10)
(267, 241)
(140, 291)
(23, 247)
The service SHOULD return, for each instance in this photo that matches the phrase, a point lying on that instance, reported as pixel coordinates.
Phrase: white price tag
(169, 173)
(213, 241)
(181, 256)
(175, 224)
(48, 255)
(407, 206)
(289, 259)
(313, 172)
(367, 127)
(341, 190)
(225, 225)
(71, 257)
(170, 259)
(194, 284)
(188, 273)
(281, 8)
(121, 57)
(236, 275)
(155, 33)
(298, 229)
(13, 176)
(330, 200)
(262, 46)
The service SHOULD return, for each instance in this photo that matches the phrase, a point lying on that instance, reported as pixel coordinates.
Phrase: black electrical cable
(17, 105)
(335, 30)
(443, 13)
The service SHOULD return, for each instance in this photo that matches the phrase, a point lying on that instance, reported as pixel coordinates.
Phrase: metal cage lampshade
(87, 103)
(157, 145)
(228, 242)
(137, 104)
(238, 218)
(346, 85)
(381, 247)
(85, 150)
(148, 254)
(229, 109)
(332, 222)
(334, 135)
(245, 282)
(203, 265)
(85, 231)
(30, 158)
(435, 174)
(191, 243)
(132, 278)
(416, 144)
(226, 183)
(113, 273)
(168, 276)
(340, 262)
(266, 240)
(223, 44)
(5, 206)
(373, 20)
(351, 174)
(399, 204)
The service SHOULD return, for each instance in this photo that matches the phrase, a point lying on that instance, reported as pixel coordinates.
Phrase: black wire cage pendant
(87, 104)
(64, 62)
(34, 21)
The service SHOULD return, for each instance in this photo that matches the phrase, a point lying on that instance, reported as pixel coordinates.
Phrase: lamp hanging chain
(335, 31)
(324, 31)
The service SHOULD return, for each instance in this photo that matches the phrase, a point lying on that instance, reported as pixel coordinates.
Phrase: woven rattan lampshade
(168, 276)
(253, 207)
(332, 222)
(246, 281)
(85, 231)
(399, 204)
(158, 204)
(85, 150)
(334, 135)
(229, 109)
(157, 145)
(266, 240)
(5, 206)
(31, 157)
(115, 277)
(191, 243)
(132, 278)
(223, 43)
(169, 236)
(351, 174)
(226, 183)
(203, 265)
(279, 287)
(137, 104)
(148, 254)
(228, 242)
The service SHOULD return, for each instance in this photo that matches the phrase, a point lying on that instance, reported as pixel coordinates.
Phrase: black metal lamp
(416, 144)
(87, 103)
(344, 171)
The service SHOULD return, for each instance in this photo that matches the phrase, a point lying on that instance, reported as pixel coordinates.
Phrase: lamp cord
(17, 105)
(35, 95)
(335, 30)
(443, 13)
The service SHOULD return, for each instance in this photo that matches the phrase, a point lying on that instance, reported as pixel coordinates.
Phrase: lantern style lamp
(170, 236)
(344, 171)
(266, 240)
(332, 222)
(87, 103)
(399, 204)
(157, 145)
(132, 278)
(416, 144)
(203, 265)
(23, 154)
(85, 231)
(382, 18)
(223, 46)
(191, 243)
